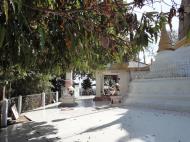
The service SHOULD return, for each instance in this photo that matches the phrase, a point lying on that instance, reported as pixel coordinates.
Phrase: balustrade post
(19, 104)
(4, 113)
(43, 99)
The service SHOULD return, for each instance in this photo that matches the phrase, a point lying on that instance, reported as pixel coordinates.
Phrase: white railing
(164, 71)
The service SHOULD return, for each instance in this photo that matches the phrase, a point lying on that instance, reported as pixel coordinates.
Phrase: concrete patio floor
(91, 122)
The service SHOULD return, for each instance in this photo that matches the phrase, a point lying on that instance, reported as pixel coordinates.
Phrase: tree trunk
(184, 20)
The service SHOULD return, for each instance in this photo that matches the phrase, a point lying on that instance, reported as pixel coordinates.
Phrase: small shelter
(116, 74)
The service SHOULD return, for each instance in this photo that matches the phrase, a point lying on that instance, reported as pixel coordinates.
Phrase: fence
(138, 74)
(161, 70)
(30, 102)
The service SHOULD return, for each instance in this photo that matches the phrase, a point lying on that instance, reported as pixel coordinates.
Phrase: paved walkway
(100, 123)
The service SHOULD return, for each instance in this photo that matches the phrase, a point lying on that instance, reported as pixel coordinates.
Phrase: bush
(32, 84)
(86, 84)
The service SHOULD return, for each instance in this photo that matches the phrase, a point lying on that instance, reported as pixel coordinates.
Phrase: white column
(56, 96)
(76, 93)
(69, 77)
(4, 112)
(102, 83)
(4, 88)
(124, 82)
(43, 99)
(19, 104)
(98, 83)
(62, 91)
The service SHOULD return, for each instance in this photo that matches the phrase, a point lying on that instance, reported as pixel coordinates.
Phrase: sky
(164, 6)
(160, 5)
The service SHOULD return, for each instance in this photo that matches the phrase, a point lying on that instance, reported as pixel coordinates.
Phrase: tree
(86, 84)
(183, 23)
(33, 83)
(53, 36)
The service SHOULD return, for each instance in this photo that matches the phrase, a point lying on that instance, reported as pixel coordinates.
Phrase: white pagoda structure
(167, 85)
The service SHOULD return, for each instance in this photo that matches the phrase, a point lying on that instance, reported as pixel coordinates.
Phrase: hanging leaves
(68, 42)
(172, 13)
(2, 35)
(181, 12)
(18, 4)
(105, 41)
(41, 32)
(78, 34)
(139, 3)
(6, 9)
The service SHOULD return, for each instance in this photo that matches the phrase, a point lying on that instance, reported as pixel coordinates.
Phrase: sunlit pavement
(91, 122)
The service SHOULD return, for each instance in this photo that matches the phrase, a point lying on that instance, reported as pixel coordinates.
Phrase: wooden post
(43, 99)
(56, 96)
(4, 112)
(19, 104)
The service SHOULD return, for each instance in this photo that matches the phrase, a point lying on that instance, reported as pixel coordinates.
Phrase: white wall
(124, 82)
(171, 93)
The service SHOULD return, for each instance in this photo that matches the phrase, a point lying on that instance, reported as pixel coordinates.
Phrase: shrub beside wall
(49, 98)
(31, 102)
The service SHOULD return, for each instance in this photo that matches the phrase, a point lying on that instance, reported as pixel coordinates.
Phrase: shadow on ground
(31, 131)
(131, 124)
(122, 121)
(147, 125)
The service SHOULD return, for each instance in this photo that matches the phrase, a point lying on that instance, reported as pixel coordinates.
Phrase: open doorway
(111, 84)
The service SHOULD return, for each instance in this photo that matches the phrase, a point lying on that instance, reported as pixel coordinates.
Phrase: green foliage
(51, 37)
(42, 36)
(6, 9)
(86, 84)
(2, 35)
(33, 83)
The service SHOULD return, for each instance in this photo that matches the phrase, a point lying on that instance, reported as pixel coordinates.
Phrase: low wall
(30, 102)
(50, 98)
(170, 94)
